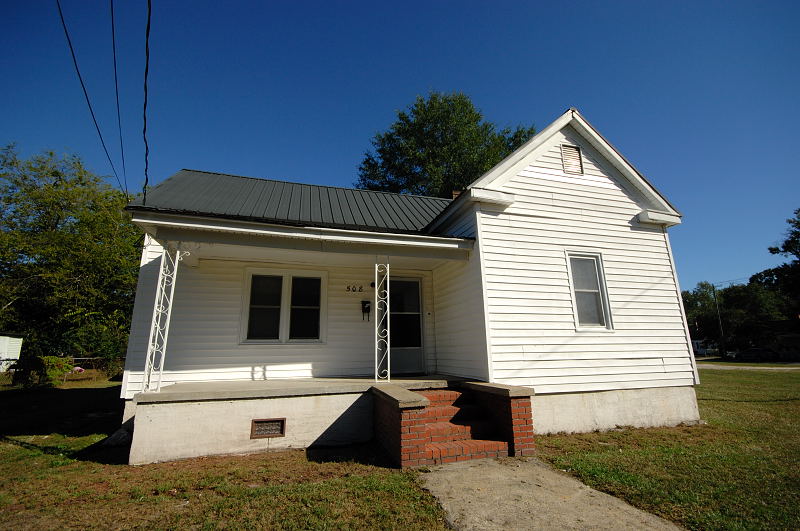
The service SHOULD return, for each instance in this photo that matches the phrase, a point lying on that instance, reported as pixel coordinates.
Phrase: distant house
(544, 298)
(10, 348)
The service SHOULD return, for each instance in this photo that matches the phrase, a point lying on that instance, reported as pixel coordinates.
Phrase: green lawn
(740, 471)
(53, 476)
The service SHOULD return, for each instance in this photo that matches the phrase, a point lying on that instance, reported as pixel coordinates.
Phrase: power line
(116, 91)
(144, 128)
(85, 92)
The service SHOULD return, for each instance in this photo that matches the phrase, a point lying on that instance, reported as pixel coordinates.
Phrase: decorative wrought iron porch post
(162, 312)
(382, 324)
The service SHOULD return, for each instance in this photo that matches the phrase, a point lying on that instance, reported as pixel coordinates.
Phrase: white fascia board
(520, 158)
(148, 220)
(583, 127)
(659, 218)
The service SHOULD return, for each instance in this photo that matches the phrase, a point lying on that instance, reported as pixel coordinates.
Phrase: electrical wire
(116, 91)
(144, 121)
(85, 92)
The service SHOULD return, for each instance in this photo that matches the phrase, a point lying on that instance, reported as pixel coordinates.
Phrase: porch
(217, 307)
(416, 420)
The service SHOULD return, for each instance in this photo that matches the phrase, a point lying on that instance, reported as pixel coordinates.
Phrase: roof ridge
(318, 185)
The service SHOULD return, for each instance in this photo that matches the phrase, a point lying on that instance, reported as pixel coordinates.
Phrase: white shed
(10, 348)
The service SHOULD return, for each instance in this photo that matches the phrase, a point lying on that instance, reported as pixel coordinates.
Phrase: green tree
(68, 259)
(791, 245)
(701, 312)
(785, 279)
(440, 144)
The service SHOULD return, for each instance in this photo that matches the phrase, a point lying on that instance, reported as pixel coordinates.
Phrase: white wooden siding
(533, 337)
(460, 326)
(204, 341)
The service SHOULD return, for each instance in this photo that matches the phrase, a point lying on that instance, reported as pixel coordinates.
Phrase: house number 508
(355, 289)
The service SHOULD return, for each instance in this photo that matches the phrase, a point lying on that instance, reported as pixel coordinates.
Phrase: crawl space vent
(571, 158)
(263, 428)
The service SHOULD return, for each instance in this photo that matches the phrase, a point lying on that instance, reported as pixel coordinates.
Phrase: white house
(260, 318)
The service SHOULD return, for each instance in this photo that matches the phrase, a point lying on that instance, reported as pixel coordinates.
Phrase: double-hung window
(284, 306)
(590, 300)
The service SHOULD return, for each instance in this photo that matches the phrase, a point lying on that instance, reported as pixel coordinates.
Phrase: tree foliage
(791, 245)
(762, 314)
(439, 144)
(68, 258)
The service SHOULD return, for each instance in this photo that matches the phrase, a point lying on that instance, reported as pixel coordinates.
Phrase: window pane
(405, 330)
(305, 291)
(590, 308)
(264, 323)
(304, 323)
(265, 290)
(584, 273)
(404, 296)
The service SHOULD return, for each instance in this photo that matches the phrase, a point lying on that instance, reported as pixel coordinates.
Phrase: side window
(589, 291)
(305, 310)
(264, 320)
(284, 308)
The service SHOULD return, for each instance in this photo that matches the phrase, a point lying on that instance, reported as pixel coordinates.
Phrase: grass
(740, 471)
(54, 475)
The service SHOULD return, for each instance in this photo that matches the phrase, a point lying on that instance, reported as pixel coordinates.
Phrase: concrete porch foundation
(212, 418)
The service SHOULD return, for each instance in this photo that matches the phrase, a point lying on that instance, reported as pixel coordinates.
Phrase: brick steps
(453, 425)
(449, 431)
(449, 452)
(460, 414)
(441, 397)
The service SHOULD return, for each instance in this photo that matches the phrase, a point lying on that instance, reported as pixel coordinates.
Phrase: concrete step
(450, 452)
(449, 431)
(442, 397)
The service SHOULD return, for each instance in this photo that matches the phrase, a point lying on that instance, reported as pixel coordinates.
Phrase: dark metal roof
(200, 193)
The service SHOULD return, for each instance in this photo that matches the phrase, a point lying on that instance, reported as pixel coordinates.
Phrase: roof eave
(151, 221)
(573, 117)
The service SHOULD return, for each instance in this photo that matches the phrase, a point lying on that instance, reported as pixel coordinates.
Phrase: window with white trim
(284, 306)
(590, 300)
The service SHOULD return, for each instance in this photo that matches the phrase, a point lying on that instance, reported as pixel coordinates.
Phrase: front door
(406, 326)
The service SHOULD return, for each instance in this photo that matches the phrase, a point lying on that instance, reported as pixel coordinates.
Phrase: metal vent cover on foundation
(571, 159)
(264, 428)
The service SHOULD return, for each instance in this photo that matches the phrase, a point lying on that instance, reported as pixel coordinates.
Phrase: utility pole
(719, 320)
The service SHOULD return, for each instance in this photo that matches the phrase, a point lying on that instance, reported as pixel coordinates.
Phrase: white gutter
(659, 218)
(306, 233)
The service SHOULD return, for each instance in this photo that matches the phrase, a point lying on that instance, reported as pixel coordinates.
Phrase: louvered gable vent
(571, 158)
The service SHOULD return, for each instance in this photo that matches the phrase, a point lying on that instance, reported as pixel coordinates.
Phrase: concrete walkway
(520, 494)
(724, 367)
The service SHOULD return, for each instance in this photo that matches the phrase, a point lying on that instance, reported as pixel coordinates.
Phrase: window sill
(590, 329)
(278, 343)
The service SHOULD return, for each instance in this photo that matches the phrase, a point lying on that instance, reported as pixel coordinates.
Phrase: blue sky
(701, 96)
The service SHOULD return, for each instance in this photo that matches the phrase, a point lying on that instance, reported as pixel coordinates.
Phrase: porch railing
(383, 362)
(162, 312)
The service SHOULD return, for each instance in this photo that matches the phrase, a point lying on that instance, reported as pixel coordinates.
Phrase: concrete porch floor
(202, 391)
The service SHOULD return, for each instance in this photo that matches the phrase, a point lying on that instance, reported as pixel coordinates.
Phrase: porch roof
(199, 193)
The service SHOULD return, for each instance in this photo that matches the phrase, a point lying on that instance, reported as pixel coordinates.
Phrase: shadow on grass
(365, 454)
(72, 413)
